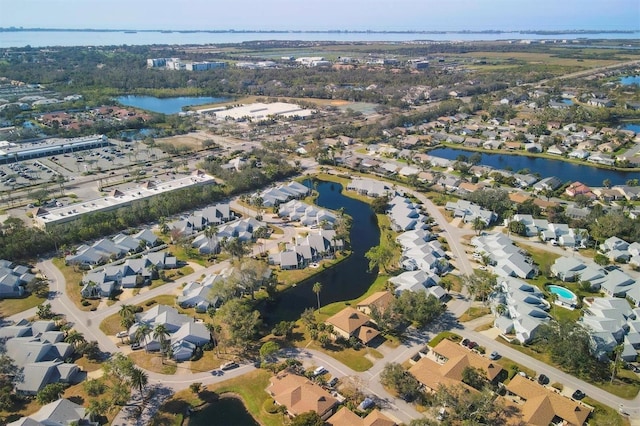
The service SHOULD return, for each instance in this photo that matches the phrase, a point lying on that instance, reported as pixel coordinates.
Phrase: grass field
(73, 277)
(10, 307)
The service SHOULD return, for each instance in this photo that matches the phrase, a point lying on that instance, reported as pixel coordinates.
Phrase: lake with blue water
(167, 105)
(348, 279)
(630, 79)
(563, 170)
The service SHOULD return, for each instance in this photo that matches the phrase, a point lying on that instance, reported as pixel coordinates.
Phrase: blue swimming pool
(563, 293)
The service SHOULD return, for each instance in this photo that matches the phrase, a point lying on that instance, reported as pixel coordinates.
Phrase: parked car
(465, 342)
(578, 395)
(542, 379)
(333, 382)
(320, 370)
(229, 365)
(136, 346)
(494, 355)
(122, 334)
(472, 345)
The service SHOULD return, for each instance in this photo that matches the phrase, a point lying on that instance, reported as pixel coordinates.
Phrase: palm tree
(161, 333)
(127, 315)
(138, 379)
(141, 334)
(478, 225)
(317, 288)
(74, 338)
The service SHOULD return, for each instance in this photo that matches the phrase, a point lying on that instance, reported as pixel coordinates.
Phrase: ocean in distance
(116, 38)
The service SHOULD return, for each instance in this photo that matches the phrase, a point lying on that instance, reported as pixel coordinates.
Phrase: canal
(348, 279)
(546, 167)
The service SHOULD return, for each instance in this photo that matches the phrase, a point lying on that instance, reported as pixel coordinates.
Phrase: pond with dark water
(227, 411)
(546, 167)
(167, 105)
(347, 280)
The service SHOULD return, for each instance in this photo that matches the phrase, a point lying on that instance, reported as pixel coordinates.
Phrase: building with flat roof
(259, 111)
(117, 199)
(13, 152)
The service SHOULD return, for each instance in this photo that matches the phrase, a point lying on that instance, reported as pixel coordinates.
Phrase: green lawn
(10, 307)
(73, 277)
(444, 335)
(474, 312)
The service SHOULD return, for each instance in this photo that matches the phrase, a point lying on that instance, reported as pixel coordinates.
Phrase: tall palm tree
(161, 334)
(74, 338)
(141, 334)
(138, 379)
(317, 288)
(127, 315)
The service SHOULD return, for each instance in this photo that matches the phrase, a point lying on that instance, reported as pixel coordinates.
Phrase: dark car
(465, 342)
(542, 379)
(229, 366)
(472, 345)
(578, 394)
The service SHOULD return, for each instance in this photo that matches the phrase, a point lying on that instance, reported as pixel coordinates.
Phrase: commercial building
(11, 152)
(117, 199)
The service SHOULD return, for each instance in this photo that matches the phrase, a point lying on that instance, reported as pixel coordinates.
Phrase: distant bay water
(117, 38)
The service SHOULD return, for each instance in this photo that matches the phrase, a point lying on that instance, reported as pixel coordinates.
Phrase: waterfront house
(61, 412)
(300, 395)
(350, 322)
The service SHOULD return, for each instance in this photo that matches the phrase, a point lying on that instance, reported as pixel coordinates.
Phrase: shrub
(86, 303)
(208, 346)
(557, 385)
(150, 302)
(94, 387)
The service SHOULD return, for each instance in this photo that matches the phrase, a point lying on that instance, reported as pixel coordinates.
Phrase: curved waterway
(565, 171)
(348, 279)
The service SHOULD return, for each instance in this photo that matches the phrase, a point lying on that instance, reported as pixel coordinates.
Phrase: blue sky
(444, 15)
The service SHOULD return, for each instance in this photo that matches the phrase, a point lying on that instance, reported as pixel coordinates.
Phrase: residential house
(346, 417)
(379, 300)
(506, 259)
(369, 187)
(418, 281)
(300, 395)
(469, 212)
(579, 188)
(306, 214)
(350, 322)
(542, 406)
(405, 215)
(445, 363)
(549, 183)
(57, 413)
(525, 309)
(13, 278)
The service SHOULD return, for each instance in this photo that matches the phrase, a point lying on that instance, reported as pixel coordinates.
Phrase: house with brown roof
(346, 417)
(350, 322)
(579, 188)
(381, 300)
(541, 406)
(446, 362)
(300, 395)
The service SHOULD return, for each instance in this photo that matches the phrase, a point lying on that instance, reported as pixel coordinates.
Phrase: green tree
(138, 379)
(268, 350)
(317, 288)
(74, 338)
(44, 311)
(474, 377)
(240, 323)
(402, 382)
(310, 418)
(284, 328)
(127, 316)
(195, 387)
(50, 393)
(161, 334)
(479, 284)
(418, 308)
(478, 225)
(379, 256)
(141, 333)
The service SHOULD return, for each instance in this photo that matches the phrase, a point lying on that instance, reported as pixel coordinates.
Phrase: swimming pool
(563, 293)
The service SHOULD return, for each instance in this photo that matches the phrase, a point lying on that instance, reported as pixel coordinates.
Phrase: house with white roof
(469, 212)
(525, 308)
(185, 334)
(282, 193)
(405, 215)
(571, 269)
(313, 247)
(57, 413)
(506, 259)
(370, 187)
(610, 321)
(13, 278)
(306, 214)
(418, 281)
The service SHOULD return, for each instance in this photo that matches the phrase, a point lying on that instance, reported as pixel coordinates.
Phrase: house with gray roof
(549, 183)
(507, 259)
(469, 212)
(405, 215)
(57, 413)
(184, 332)
(39, 350)
(13, 278)
(282, 193)
(370, 187)
(418, 281)
(526, 309)
(306, 214)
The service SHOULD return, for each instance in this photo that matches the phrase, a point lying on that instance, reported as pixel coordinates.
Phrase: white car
(318, 371)
(122, 334)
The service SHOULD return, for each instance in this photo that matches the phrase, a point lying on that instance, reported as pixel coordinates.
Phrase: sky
(318, 15)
